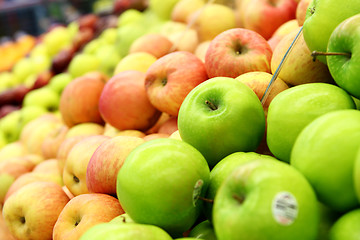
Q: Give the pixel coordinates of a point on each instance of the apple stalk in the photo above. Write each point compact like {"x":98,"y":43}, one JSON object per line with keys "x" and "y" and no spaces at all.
{"x":314,"y":54}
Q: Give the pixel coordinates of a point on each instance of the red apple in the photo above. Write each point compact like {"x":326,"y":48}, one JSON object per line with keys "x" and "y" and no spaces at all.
{"x":33,"y":210}
{"x":156,"y":44}
{"x":106,"y":161}
{"x":124,"y":103}
{"x":237,"y":51}
{"x":79,"y":101}
{"x":265,"y":16}
{"x":169,"y":126}
{"x":74,"y":173}
{"x":84,"y":211}
{"x":53,"y":140}
{"x":171,"y":78}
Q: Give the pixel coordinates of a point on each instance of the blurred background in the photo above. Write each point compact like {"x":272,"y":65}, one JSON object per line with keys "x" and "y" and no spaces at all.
{"x":36,"y":16}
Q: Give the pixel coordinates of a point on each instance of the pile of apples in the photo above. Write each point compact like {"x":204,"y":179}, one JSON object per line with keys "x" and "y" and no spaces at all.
{"x":194,"y":120}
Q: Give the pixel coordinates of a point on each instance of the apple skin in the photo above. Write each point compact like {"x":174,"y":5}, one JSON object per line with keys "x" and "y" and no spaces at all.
{"x":346,"y":227}
{"x":344,"y":69}
{"x":184,"y":8}
{"x":301,"y":10}
{"x":203,"y":230}
{"x":85,"y":129}
{"x":150,"y":198}
{"x":32,"y":211}
{"x":246,"y":203}
{"x":299,"y":67}
{"x":125,"y":104}
{"x":31,"y":177}
{"x":237,"y":51}
{"x":74,"y":173}
{"x":332,"y":141}
{"x":171,"y":78}
{"x":65,"y":148}
{"x":206,"y":20}
{"x":14,"y":149}
{"x":106,"y":161}
{"x":154,"y":43}
{"x":139,"y":61}
{"x":259,"y":81}
{"x":237,"y":124}
{"x":84,"y":211}
{"x":265,"y":17}
{"x":53,"y":140}
{"x":223,"y":169}
{"x":291,"y":110}
{"x":282,"y":31}
{"x":80,"y":99}
{"x":322,"y":17}
{"x":36,"y":131}
{"x":125,"y":231}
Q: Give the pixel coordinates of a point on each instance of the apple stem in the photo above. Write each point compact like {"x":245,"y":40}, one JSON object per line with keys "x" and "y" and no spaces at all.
{"x":206,"y":199}
{"x":211,"y":105}
{"x":240,"y":199}
{"x":314,"y":54}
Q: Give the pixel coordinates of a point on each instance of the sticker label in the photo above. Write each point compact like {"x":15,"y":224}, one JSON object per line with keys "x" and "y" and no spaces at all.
{"x":197,"y":190}
{"x":284,"y":208}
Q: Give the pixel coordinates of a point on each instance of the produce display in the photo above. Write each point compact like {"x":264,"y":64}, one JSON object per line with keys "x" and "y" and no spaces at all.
{"x":184,"y":119}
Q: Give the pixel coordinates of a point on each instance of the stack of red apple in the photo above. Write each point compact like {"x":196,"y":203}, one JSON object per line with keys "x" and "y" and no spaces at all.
{"x":178,"y":143}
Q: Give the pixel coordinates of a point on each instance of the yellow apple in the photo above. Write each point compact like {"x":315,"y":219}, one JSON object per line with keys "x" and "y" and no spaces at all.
{"x":299,"y":67}
{"x":184,"y":8}
{"x":206,"y":21}
{"x":139,"y":61}
{"x":85,"y":129}
{"x":282,"y":31}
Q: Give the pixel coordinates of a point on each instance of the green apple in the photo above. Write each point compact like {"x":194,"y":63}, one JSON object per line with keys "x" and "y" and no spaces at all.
{"x":126,"y":35}
{"x":44,"y":97}
{"x":347,"y":226}
{"x":163,"y":9}
{"x":203,"y":230}
{"x":357,"y":175}
{"x":321,"y":19}
{"x":291,"y":110}
{"x":223,"y":169}
{"x":108,"y":57}
{"x":40,"y":63}
{"x":114,"y":231}
{"x":8,"y":80}
{"x":221,"y":116}
{"x":345,"y":68}
{"x":160,"y":183}
{"x":327,"y":220}
{"x":59,"y":82}
{"x":10,"y":126}
{"x":109,"y":35}
{"x":123,"y":218}
{"x":23,"y":68}
{"x":357,"y":103}
{"x":330,"y":142}
{"x":3,"y":140}
{"x":83,"y":63}
{"x":128,"y":17}
{"x":266,"y":199}
{"x":57,"y":39}
{"x":93,"y":45}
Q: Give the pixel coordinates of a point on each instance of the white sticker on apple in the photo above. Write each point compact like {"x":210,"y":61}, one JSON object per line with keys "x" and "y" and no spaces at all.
{"x":284,"y":208}
{"x":197,"y":190}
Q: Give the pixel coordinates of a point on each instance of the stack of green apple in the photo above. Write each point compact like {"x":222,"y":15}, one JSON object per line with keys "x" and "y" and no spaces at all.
{"x":180,"y":145}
